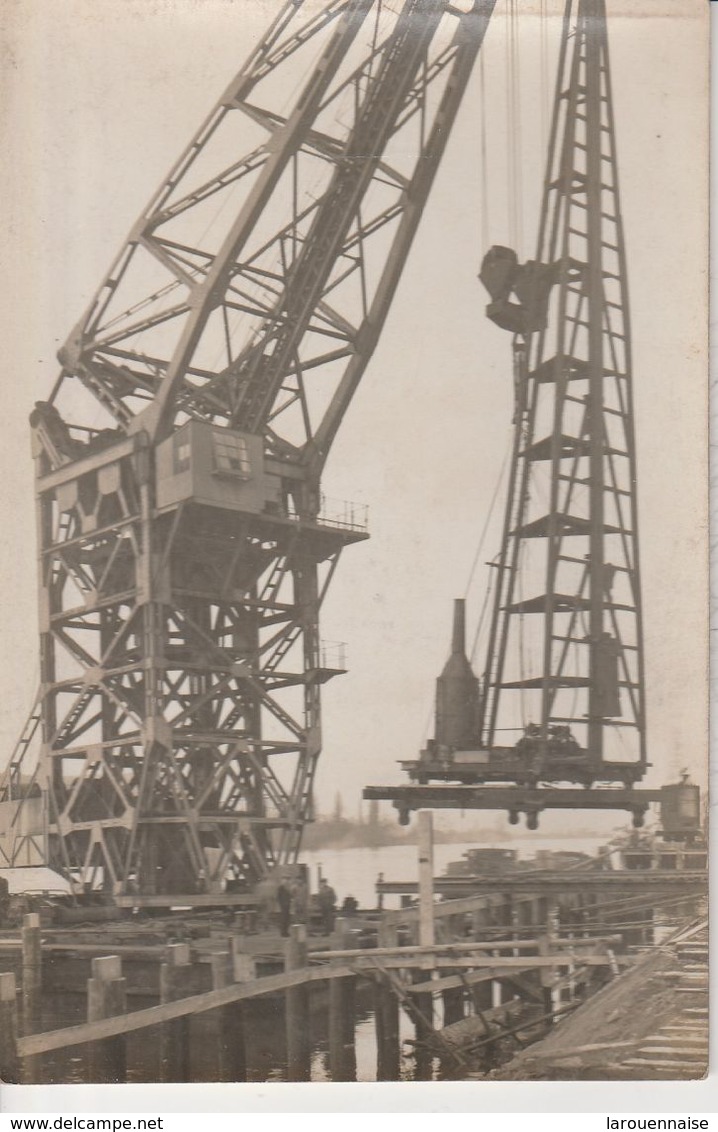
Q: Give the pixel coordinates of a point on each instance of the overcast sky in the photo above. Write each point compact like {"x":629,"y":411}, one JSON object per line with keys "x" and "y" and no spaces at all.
{"x":99,"y":98}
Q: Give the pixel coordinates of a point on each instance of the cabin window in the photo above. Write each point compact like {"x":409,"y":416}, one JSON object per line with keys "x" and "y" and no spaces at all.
{"x":183,"y":452}
{"x":231,"y":457}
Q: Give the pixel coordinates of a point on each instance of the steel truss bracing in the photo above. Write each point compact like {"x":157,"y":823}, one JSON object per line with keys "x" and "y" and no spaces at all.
{"x":184,"y":545}
{"x":565,"y":649}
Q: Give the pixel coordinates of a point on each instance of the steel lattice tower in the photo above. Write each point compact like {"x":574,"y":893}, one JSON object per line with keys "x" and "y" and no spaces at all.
{"x":568,"y":571}
{"x":184,"y":545}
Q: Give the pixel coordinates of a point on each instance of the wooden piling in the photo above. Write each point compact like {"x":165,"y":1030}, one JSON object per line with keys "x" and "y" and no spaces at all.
{"x":423,"y":1027}
{"x":342,"y":1009}
{"x":546,"y":978}
{"x":386,"y":1017}
{"x":31,"y":971}
{"x":174,"y":1036}
{"x":506,"y":992}
{"x":296,"y":999}
{"x":506,"y":911}
{"x":9,"y":1061}
{"x":107,"y":997}
{"x":226,"y":1030}
{"x":547,"y":946}
{"x":342,"y":936}
{"x":453,"y":1005}
{"x":425,"y":833}
{"x":244,"y":970}
{"x":342,"y":1012}
{"x":482,"y":995}
{"x":244,"y":966}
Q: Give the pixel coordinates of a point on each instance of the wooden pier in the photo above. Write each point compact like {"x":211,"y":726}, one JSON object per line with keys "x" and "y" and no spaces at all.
{"x":471,"y":977}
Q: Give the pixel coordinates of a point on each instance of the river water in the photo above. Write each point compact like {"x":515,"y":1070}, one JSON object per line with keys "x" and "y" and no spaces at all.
{"x":353,"y":872}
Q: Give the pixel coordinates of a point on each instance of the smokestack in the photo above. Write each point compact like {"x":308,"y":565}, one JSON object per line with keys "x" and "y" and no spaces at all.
{"x":458,"y":637}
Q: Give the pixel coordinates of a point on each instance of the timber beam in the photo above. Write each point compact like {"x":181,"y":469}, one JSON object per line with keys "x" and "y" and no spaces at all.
{"x":536,"y":882}
{"x":514,"y":799}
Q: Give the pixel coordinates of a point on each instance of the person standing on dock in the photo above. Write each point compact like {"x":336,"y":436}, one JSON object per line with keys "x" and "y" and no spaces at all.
{"x":327,"y":899}
{"x":300,"y":901}
{"x":284,"y":902}
{"x":4,"y":903}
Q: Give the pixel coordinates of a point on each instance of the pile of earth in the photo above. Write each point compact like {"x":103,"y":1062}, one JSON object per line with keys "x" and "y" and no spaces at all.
{"x":591,"y":1043}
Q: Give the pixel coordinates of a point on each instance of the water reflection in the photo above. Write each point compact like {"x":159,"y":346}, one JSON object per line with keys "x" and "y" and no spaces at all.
{"x":265,"y":1044}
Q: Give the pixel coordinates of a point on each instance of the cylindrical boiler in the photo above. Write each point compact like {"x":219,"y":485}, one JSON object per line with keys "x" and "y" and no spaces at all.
{"x":457,"y":693}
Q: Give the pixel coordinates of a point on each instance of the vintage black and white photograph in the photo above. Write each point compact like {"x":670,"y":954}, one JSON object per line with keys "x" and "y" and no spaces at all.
{"x":354,"y":570}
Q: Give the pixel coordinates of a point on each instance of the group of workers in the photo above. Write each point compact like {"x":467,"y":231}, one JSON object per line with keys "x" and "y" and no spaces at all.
{"x":294,"y":905}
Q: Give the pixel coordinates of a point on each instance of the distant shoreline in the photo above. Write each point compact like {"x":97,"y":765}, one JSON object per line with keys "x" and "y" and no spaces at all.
{"x":342,"y":833}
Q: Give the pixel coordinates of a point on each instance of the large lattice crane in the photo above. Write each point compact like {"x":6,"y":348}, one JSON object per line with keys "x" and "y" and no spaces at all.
{"x":562,"y":690}
{"x":185,"y":548}
{"x":572,"y":504}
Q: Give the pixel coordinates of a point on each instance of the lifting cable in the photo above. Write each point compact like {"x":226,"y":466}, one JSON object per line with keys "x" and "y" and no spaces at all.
{"x":543,"y":73}
{"x":484,"y":607}
{"x":514,"y":127}
{"x":479,"y":549}
{"x":490,"y":512}
{"x":484,"y":202}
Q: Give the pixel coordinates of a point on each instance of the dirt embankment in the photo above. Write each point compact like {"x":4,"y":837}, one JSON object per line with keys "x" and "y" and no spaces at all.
{"x":613,"y":1022}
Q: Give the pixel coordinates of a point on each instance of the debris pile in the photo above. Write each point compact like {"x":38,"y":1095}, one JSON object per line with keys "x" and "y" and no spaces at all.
{"x":651,"y":1022}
